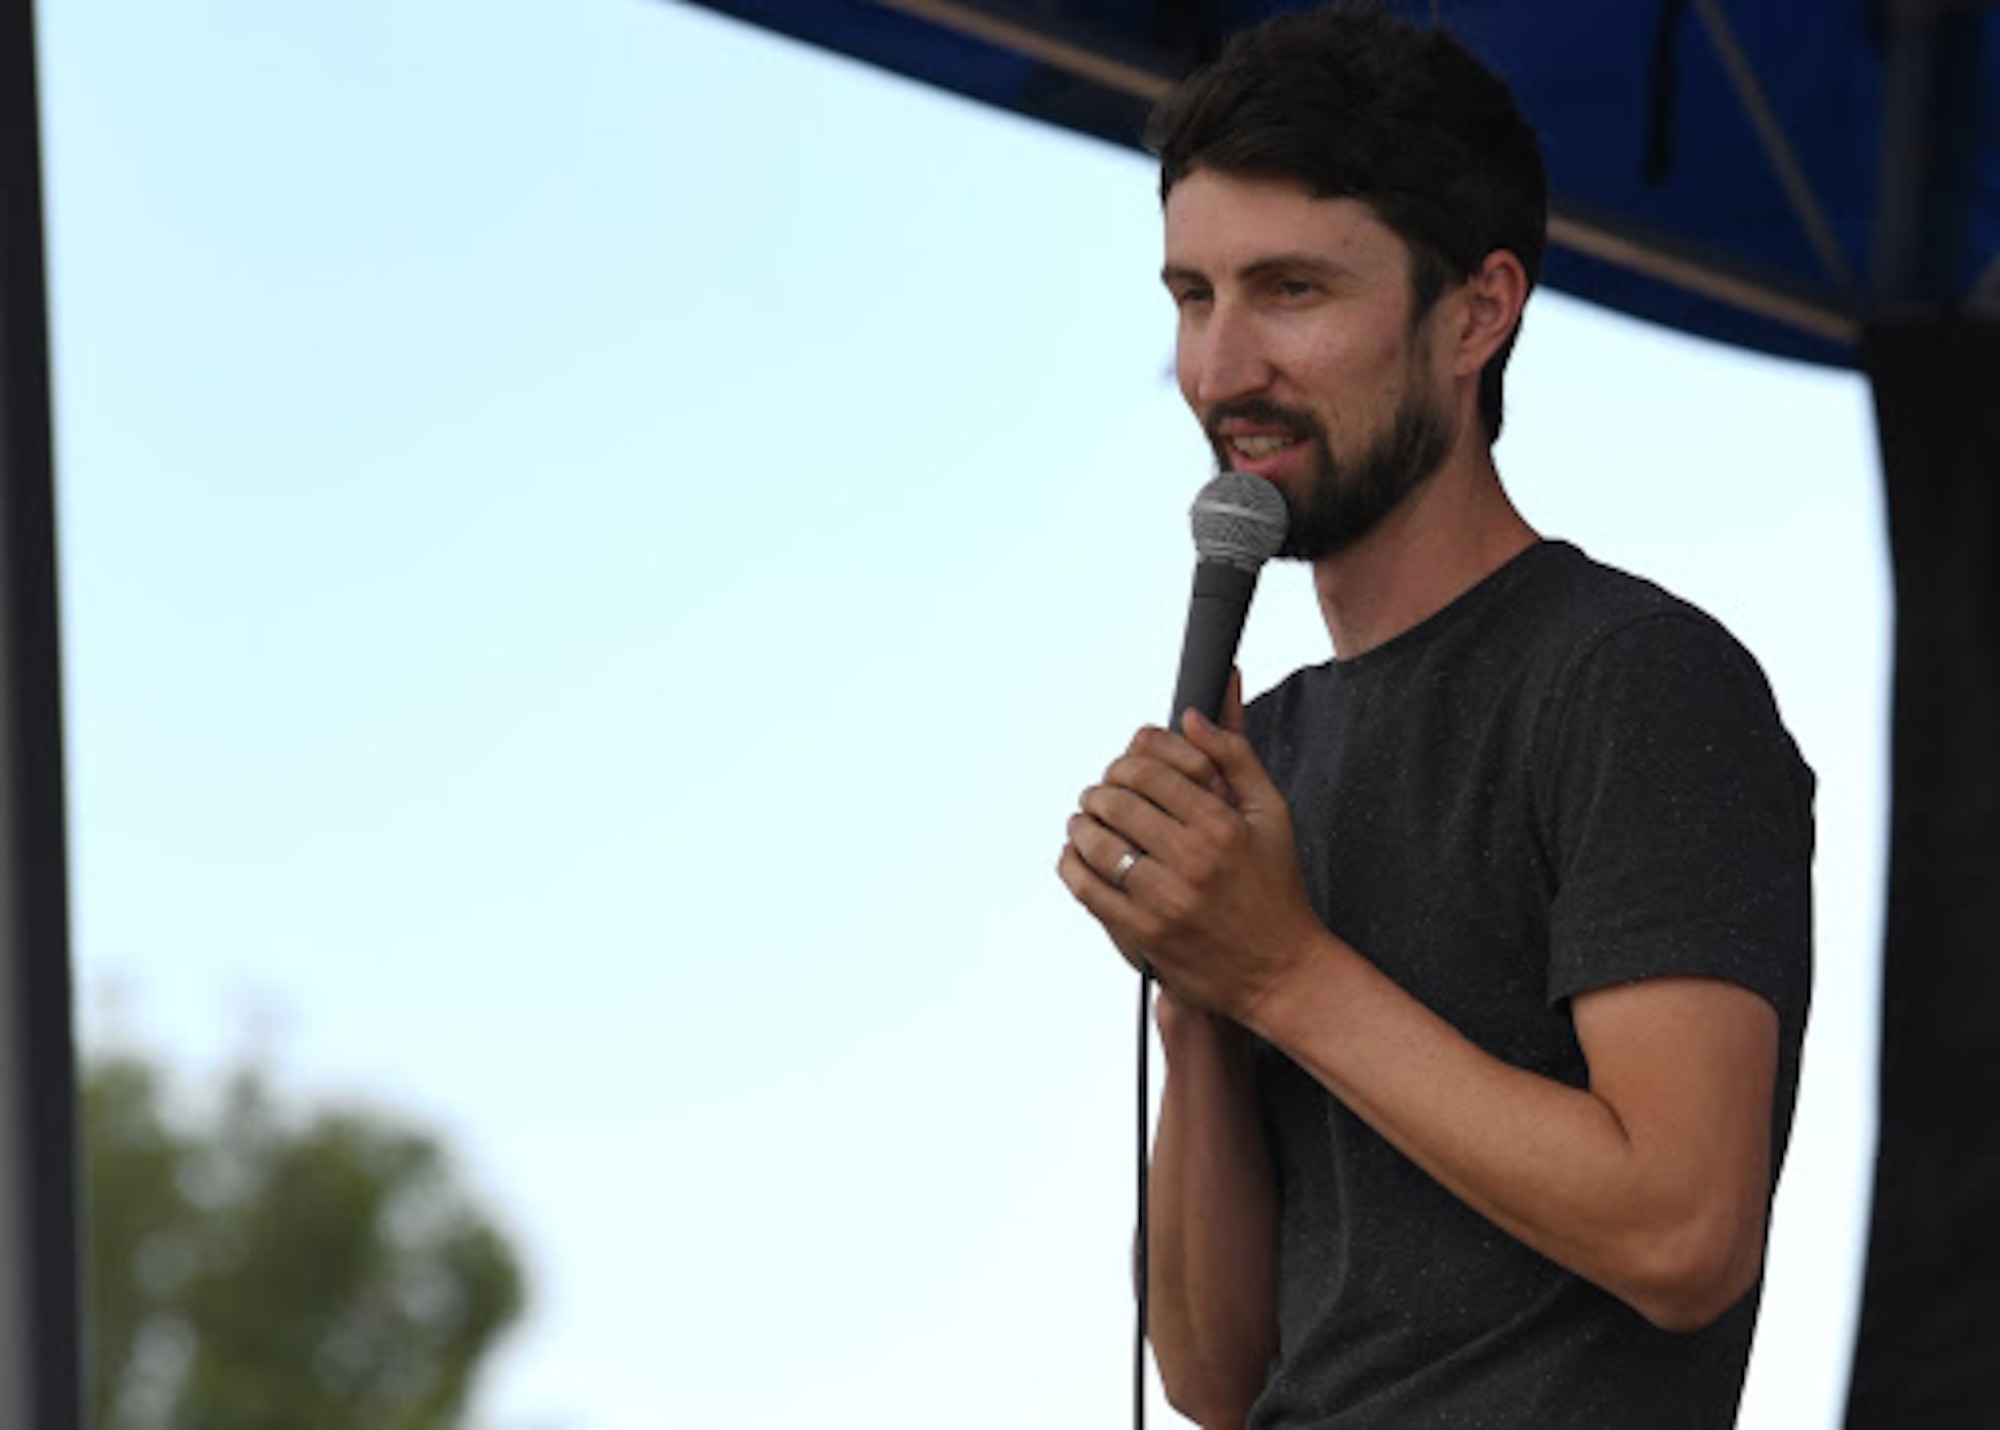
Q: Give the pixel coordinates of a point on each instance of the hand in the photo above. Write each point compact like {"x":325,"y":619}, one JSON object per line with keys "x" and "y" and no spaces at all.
{"x":1215,"y":904}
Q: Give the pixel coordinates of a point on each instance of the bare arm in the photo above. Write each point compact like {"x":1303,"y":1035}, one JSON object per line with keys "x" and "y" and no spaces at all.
{"x":1212,"y":1298}
{"x":1651,"y":1182}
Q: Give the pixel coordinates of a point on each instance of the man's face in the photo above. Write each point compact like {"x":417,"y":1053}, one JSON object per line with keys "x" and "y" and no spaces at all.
{"x":1298,"y":353}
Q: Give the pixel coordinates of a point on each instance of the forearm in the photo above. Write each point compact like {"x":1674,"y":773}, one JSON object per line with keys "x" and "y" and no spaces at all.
{"x":1212,"y":1248}
{"x":1653,"y":1181}
{"x":1663,"y":1211}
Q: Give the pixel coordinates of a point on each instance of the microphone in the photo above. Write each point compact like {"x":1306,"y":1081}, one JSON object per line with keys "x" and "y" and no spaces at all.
{"x":1239,"y":523}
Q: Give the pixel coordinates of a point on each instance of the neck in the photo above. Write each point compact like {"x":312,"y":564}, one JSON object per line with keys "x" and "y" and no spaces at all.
{"x":1453,"y":532}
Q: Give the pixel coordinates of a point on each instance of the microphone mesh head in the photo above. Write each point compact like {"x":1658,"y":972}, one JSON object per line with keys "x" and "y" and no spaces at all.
{"x":1239,"y":519}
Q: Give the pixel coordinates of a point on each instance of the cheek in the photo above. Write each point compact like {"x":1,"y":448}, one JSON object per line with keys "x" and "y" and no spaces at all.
{"x":1356,"y":381}
{"x":1364,"y":350}
{"x":1358,"y":366}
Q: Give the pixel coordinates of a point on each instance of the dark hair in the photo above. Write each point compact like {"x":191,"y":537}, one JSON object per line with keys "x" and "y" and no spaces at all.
{"x":1353,"y":103}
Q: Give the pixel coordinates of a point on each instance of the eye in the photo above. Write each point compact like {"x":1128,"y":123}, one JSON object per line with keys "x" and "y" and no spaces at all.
{"x":1190,"y":295}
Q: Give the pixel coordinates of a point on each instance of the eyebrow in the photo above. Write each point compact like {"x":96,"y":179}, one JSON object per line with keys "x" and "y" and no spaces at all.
{"x":1313,"y":263}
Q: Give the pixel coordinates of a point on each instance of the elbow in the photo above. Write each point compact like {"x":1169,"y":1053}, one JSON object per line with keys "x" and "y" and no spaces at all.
{"x":1213,"y":1406}
{"x":1215,"y":1394}
{"x":1686,"y":1279}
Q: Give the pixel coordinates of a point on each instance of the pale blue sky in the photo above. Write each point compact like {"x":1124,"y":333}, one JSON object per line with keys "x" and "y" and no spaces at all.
{"x":599,"y":548}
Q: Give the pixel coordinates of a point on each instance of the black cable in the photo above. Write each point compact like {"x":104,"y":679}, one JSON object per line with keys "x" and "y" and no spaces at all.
{"x":1139,"y":1251}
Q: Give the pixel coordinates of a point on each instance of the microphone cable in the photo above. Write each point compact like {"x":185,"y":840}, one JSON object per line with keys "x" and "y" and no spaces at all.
{"x":1140,"y":1250}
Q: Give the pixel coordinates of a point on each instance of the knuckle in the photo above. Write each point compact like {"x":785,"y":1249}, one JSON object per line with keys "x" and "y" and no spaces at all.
{"x":1176,"y":904}
{"x":1222,"y":833}
{"x":1126,"y":771}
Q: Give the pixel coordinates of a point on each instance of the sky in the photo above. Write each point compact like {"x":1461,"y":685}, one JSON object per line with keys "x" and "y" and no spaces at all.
{"x":599,"y":547}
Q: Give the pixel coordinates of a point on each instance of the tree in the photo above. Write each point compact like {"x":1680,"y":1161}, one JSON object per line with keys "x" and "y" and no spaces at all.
{"x":253,"y":1270}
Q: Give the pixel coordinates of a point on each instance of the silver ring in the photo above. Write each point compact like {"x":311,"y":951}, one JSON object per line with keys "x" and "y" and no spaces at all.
{"x":1123,"y":867}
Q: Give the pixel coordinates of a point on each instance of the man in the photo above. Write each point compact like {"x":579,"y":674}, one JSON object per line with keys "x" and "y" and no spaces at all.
{"x":1484,"y":948}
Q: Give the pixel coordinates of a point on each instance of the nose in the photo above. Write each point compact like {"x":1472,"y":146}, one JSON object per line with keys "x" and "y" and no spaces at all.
{"x":1222,"y":358}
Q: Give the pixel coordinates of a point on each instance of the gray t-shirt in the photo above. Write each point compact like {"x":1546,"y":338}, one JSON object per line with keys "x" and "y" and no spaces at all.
{"x":1567,"y":779}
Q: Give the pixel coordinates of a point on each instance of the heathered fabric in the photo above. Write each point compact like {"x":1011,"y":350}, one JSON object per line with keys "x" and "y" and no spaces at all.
{"x":1567,"y":779}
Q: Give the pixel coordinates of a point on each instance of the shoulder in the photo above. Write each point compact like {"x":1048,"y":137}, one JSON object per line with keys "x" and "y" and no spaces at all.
{"x":1570,"y":606}
{"x":1563,"y":653}
{"x":1620,"y":652}
{"x":1603,"y":651}
{"x":1674,"y":805}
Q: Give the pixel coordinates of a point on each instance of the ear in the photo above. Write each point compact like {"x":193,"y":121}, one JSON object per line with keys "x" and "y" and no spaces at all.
{"x":1489,"y":310}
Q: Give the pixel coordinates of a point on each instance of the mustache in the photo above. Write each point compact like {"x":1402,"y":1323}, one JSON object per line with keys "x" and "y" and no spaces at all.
{"x":1263,"y":413}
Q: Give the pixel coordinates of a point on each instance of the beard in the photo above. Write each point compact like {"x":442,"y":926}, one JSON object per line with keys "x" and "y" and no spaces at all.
{"x":1345,"y":499}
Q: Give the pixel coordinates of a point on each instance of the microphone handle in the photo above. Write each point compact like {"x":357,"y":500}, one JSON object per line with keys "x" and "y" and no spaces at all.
{"x":1216,"y":612}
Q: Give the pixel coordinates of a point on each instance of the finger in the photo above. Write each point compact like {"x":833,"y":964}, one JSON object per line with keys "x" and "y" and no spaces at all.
{"x":1191,"y":792}
{"x":1084,"y":885}
{"x":1239,"y":764}
{"x":1104,"y":850}
{"x":1104,"y":903}
{"x":1153,"y":743}
{"x":1084,"y":882}
{"x":1125,"y":820}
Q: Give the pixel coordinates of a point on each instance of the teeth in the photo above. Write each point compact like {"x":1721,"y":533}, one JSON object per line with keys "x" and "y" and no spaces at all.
{"x":1260,"y":447}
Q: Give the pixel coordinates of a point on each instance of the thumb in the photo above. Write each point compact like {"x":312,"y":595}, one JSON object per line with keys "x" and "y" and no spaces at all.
{"x":1233,"y":756}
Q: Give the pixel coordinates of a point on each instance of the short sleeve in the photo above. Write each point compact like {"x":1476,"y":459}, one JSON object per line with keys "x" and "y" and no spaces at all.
{"x":1679,"y":818}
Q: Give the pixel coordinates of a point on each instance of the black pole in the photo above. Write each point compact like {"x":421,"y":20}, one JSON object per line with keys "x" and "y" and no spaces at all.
{"x":40,"y":1302}
{"x":1926,"y":1352}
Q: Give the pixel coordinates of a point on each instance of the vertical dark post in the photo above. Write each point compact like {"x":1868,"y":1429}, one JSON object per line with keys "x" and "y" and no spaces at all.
{"x":1926,"y":1351}
{"x":40,"y":1320}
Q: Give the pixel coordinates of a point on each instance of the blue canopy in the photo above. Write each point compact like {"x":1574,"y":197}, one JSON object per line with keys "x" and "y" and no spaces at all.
{"x":1768,"y":174}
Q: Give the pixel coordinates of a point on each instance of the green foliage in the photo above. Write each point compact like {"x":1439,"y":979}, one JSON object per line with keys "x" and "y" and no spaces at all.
{"x":250,"y":1271}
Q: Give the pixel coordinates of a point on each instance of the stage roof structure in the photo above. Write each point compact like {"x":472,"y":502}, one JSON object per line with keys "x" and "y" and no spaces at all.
{"x":1762,"y":173}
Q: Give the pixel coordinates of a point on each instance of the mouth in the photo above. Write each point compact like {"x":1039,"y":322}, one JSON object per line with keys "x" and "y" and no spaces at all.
{"x":1262,"y":452}
{"x":1261,"y":447}
{"x":1258,"y":437}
